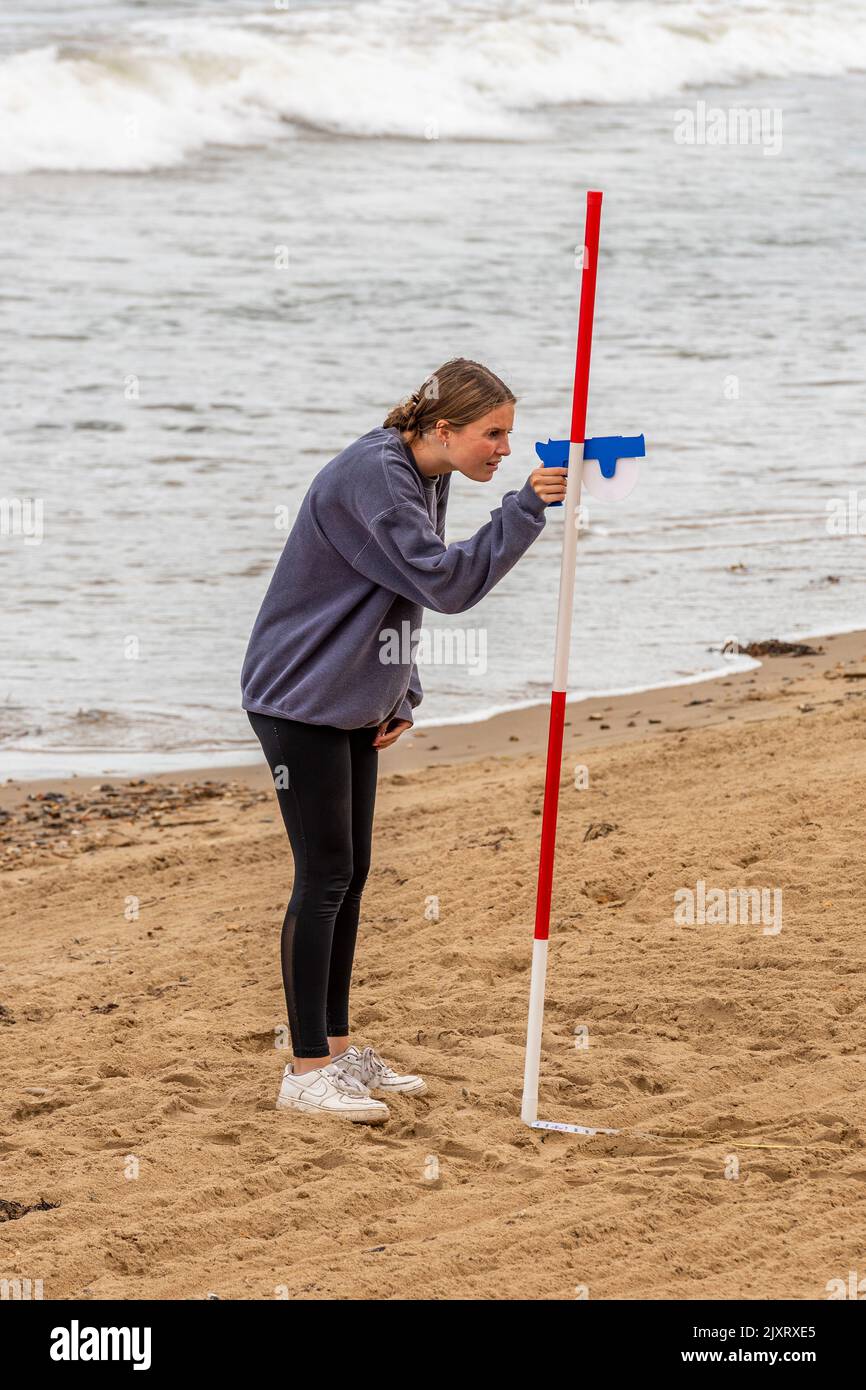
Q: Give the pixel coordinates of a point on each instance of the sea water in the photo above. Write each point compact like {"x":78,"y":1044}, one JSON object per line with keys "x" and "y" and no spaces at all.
{"x":235,"y":235}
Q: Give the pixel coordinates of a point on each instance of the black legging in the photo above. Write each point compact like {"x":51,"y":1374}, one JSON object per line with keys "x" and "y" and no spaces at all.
{"x":325,"y":780}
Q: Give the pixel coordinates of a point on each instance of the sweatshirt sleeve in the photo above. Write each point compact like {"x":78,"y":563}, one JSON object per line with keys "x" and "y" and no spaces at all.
{"x":403,"y":552}
{"x":414,"y":696}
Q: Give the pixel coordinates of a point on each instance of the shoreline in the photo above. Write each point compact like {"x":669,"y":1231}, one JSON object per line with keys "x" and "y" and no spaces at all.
{"x":592,"y":721}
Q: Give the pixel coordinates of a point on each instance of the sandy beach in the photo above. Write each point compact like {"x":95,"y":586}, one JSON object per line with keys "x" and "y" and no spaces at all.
{"x":141,"y":1017}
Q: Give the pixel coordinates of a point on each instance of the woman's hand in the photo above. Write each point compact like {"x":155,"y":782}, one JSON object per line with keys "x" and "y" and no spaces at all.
{"x":398,"y":727}
{"x":549,"y":483}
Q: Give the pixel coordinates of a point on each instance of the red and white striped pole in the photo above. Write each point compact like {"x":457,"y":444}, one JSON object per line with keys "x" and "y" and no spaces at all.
{"x":529,"y":1109}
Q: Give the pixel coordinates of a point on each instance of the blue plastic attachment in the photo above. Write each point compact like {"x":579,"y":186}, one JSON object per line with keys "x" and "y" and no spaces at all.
{"x":554,"y":454}
{"x":605,"y":448}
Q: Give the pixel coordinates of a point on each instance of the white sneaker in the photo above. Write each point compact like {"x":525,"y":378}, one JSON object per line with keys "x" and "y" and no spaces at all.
{"x":331,"y":1090}
{"x":375,"y":1075}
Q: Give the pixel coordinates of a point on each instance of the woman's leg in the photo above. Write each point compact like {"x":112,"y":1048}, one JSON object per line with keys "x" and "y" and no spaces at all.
{"x":312,"y":769}
{"x":365,"y":770}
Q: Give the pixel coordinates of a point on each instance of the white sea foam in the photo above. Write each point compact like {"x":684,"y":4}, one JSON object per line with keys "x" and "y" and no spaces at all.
{"x":155,"y":92}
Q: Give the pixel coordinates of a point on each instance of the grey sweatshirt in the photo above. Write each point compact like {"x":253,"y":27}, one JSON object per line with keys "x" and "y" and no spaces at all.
{"x":367,"y":553}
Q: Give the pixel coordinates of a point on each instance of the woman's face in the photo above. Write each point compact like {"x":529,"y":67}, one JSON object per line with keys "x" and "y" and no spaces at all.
{"x":477,"y":449}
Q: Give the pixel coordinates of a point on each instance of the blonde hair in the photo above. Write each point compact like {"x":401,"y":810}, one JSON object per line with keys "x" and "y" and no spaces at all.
{"x":460,"y":391}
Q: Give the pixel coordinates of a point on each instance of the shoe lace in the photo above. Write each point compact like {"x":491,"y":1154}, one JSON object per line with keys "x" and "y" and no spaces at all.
{"x":371,"y":1066}
{"x":343,"y":1079}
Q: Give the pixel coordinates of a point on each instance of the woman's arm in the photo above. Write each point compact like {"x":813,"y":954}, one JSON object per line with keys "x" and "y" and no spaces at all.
{"x":403,"y":552}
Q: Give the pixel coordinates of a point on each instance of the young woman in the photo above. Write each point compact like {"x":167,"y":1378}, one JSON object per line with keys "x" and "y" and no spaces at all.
{"x":365,"y":556}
